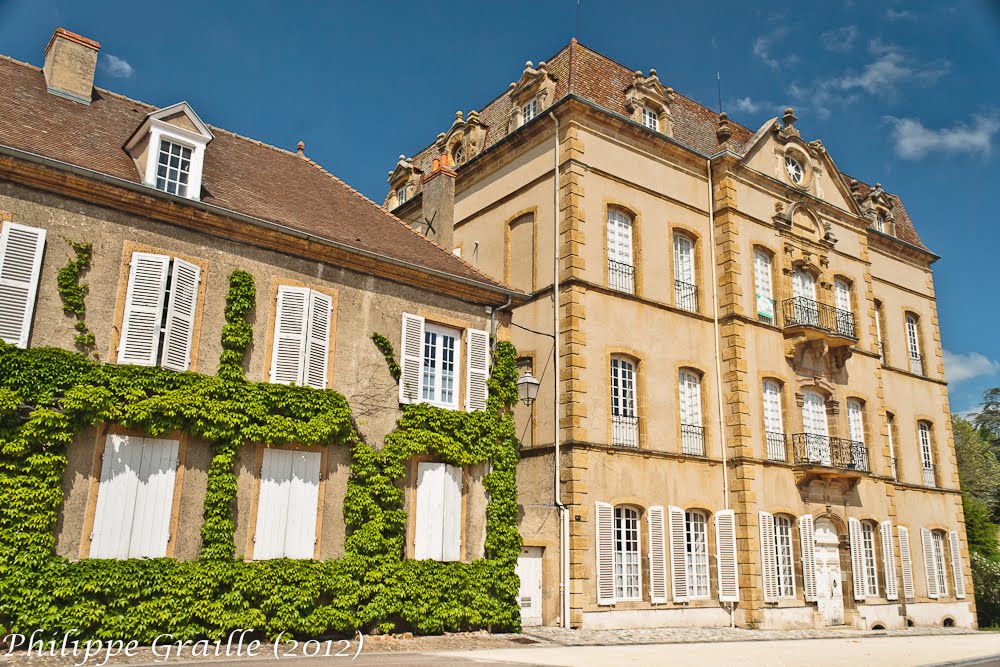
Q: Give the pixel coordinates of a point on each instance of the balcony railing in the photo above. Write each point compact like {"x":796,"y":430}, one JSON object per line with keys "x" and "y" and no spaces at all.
{"x":686,"y":295}
{"x":916,"y":363}
{"x":692,"y":440}
{"x":621,"y":276}
{"x":810,"y":449}
{"x":800,"y":311}
{"x":625,"y":431}
{"x":776,"y":450}
{"x":929,"y":477}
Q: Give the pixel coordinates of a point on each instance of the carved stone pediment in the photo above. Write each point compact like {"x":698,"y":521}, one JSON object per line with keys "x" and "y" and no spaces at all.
{"x":535,"y":83}
{"x":647,"y":91}
{"x":405,"y":177}
{"x":463,"y":140}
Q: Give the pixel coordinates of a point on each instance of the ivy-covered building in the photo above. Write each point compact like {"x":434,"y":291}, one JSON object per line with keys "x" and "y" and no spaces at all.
{"x":200,"y":423}
{"x":752,"y":414}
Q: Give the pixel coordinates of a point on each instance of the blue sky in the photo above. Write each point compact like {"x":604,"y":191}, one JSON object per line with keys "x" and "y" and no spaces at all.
{"x":901,"y":93}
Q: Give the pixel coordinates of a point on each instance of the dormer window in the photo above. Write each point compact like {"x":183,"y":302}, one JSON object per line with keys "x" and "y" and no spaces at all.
{"x":650,"y":119}
{"x":794,"y":169}
{"x":168,"y":150}
{"x":880,"y":222}
{"x":401,"y":195}
{"x":529,"y":110}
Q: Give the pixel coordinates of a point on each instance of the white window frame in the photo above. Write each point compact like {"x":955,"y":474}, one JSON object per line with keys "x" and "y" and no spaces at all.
{"x":868,"y":531}
{"x":856,"y":420}
{"x":620,"y":250}
{"x":689,"y":389}
{"x":437,"y":390}
{"x":890,"y":420}
{"x":878,"y":332}
{"x":913,"y":344}
{"x":940,"y":568}
{"x":628,"y":569}
{"x":696,"y":555}
{"x":650,"y":119}
{"x":529,"y":110}
{"x":16,"y":289}
{"x":623,"y":402}
{"x":926,"y":452}
{"x":764,"y":284}
{"x":684,"y":272}
{"x":785,"y":565}
{"x":400,"y":195}
{"x":773,"y":419}
{"x":796,"y":172}
{"x":184,"y":153}
{"x":315,"y":337}
{"x":162,"y":131}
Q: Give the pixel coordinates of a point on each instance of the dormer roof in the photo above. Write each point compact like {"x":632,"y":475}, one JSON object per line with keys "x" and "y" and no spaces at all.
{"x":174,"y":115}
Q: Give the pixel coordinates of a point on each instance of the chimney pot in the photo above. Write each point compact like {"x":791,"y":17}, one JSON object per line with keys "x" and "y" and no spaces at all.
{"x":70,"y":63}
{"x":300,"y":148}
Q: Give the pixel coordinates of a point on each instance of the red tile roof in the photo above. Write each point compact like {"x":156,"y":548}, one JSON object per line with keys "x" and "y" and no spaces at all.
{"x":240,"y":174}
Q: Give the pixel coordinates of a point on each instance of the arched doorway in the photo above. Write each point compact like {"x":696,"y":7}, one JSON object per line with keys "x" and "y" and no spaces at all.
{"x":829,"y":585}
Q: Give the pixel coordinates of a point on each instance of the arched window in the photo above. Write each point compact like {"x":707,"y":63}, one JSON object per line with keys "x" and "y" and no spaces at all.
{"x":774,"y":429}
{"x":626,"y":535}
{"x":624,"y":418}
{"x":845,"y":314}
{"x":926,"y":452}
{"x":692,"y":431}
{"x":804,"y":309}
{"x":696,"y":553}
{"x":878,"y":331}
{"x":890,"y":430}
{"x":762,"y":277}
{"x":621,"y":272}
{"x":814,"y":446}
{"x":856,"y":424}
{"x":934,"y":563}
{"x":913,"y":344}
{"x":868,"y":530}
{"x":783,"y":555}
{"x":685,"y":289}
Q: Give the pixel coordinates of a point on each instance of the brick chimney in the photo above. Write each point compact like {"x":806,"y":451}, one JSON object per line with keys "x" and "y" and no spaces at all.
{"x":70,"y":62}
{"x":438,"y":202}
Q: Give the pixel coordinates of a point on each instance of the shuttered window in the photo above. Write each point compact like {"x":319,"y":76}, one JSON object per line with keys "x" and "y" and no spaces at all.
{"x":287,"y":505}
{"x":807,"y":544}
{"x":696,"y":551}
{"x":21,"y":251}
{"x":868,"y":554}
{"x":438,"y":529}
{"x":937,"y":540}
{"x":861,"y":569}
{"x":605,"y":541}
{"x":888,"y":561}
{"x":626,"y":544}
{"x":783,"y":556}
{"x":160,"y":307}
{"x":657,"y":555}
{"x":762,"y":282}
{"x":135,"y":498}
{"x":479,"y":369}
{"x":430,"y":364}
{"x":931,"y":571}
{"x":957,"y":568}
{"x":678,"y":555}
{"x":769,"y":566}
{"x":300,"y":351}
{"x":906,"y":563}
{"x":725,"y":556}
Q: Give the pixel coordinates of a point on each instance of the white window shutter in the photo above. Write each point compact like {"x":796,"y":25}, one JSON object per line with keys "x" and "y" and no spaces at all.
{"x":147,"y":285}
{"x":288,"y":346}
{"x":116,"y":497}
{"x":272,"y":504}
{"x":678,"y":555}
{"x":478,"y":364}
{"x":930,"y":571}
{"x":411,"y":358}
{"x":657,"y":555}
{"x":768,"y":557}
{"x":807,"y":542}
{"x":956,"y":564}
{"x":906,"y":563}
{"x":154,"y":498}
{"x":857,"y":559}
{"x":725,"y":556}
{"x":303,"y":504}
{"x":451,"y":514}
{"x":889,"y":561}
{"x":317,"y":354}
{"x":605,"y":542}
{"x":21,"y":250}
{"x":428,"y":537}
{"x":180,"y":316}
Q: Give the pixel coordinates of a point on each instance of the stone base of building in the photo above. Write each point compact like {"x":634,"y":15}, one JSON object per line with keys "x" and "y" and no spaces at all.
{"x":626,"y":619}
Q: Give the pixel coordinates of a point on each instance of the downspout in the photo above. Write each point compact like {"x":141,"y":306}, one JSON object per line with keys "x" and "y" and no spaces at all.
{"x":493,"y":321}
{"x":731,"y":606}
{"x":563,"y":510}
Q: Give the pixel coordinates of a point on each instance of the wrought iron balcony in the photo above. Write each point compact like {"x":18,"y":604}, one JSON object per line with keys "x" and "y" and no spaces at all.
{"x":692,"y":440}
{"x":916,"y":363}
{"x":821,"y":450}
{"x":686,"y":295}
{"x":621,"y":276}
{"x":929,"y":478}
{"x":802,"y":312}
{"x":625,"y":431}
{"x":776,"y":449}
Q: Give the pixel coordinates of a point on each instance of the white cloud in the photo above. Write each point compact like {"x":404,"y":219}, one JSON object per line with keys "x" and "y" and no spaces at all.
{"x":840,"y":39}
{"x":890,"y":68}
{"x":763,"y":45}
{"x":116,"y":67}
{"x":893,"y":15}
{"x":964,"y":366}
{"x":913,"y":140}
{"x":747,"y":105}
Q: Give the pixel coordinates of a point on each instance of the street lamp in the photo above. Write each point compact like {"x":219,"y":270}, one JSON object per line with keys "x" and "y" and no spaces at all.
{"x":527,"y":387}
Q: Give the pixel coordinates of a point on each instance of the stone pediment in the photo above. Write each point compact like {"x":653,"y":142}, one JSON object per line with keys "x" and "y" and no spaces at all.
{"x":647,"y":91}
{"x":463,"y":140}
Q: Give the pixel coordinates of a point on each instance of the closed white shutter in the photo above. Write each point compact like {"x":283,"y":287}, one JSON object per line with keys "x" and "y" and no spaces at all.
{"x":317,"y":351}
{"x":272,"y":504}
{"x":479,"y":369}
{"x":428,"y":538}
{"x":956,"y":564}
{"x":303,"y":503}
{"x":451,"y":514}
{"x":768,"y":559}
{"x":147,"y":284}
{"x":725,"y":555}
{"x":807,"y":542}
{"x":154,"y":498}
{"x":857,"y":559}
{"x":21,"y":250}
{"x":605,"y":543}
{"x":906,"y":563}
{"x":678,"y":555}
{"x":657,"y":555}
{"x":930,"y":569}
{"x":290,"y":324}
{"x":116,"y":497}
{"x":180,"y":316}
{"x":411,"y":358}
{"x":888,"y":561}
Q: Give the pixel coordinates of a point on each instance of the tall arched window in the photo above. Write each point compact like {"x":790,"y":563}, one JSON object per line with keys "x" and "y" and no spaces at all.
{"x":913,"y":344}
{"x":783,"y":556}
{"x":621,"y":272}
{"x":878,"y":331}
{"x":692,"y":431}
{"x":804,"y":310}
{"x":624,"y":418}
{"x":926,"y":452}
{"x":890,"y":430}
{"x":815,"y":443}
{"x":856,"y":423}
{"x":868,"y":530}
{"x":627,"y":577}
{"x":685,"y":289}
{"x":774,"y":429}
{"x":844,"y":312}
{"x":696,"y":553}
{"x":764,"y":285}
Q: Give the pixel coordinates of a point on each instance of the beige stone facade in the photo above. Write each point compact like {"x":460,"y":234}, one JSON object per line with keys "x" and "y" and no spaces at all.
{"x":755,"y":266}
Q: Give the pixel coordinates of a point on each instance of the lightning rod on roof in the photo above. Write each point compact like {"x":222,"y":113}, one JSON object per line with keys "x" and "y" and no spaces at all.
{"x":718,"y":80}
{"x":577,"y":33}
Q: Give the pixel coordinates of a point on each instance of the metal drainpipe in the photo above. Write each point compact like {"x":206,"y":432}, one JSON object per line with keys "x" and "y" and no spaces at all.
{"x":563,"y":510}
{"x":718,"y":358}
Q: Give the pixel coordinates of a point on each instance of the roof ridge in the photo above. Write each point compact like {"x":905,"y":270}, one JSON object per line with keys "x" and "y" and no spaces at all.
{"x":20,"y":62}
{"x":393,"y":217}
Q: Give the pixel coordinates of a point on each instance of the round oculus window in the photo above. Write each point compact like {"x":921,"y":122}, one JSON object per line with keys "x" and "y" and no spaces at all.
{"x":458,"y":155}
{"x":794,"y":169}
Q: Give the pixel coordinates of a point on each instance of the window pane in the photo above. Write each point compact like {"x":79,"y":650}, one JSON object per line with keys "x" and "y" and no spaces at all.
{"x":697,"y":554}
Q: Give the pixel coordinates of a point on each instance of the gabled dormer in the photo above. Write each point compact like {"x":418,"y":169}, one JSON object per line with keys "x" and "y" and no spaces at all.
{"x":531,"y":94}
{"x":649,"y":102}
{"x":463,"y":140}
{"x":404,"y":183}
{"x":876,"y":205}
{"x":168,"y":149}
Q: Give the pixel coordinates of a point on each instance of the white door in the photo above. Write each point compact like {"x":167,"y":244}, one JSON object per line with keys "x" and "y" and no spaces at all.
{"x":529,"y":570}
{"x":829,"y":581}
{"x":815,"y":427}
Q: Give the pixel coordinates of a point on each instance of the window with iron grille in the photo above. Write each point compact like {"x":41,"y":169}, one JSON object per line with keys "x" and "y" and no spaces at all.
{"x":774,"y":429}
{"x":621,"y":273}
{"x":913,"y":344}
{"x":624,"y":420}
{"x":685,"y":290}
{"x":692,"y":431}
{"x":926,"y":452}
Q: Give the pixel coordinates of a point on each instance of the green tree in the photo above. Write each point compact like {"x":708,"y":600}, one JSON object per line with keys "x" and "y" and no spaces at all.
{"x":978,"y":467}
{"x":988,"y":419}
{"x":979,"y":530}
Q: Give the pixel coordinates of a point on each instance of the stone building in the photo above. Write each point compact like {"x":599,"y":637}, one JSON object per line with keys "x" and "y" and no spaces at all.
{"x":172,"y":206}
{"x":753,"y":421}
